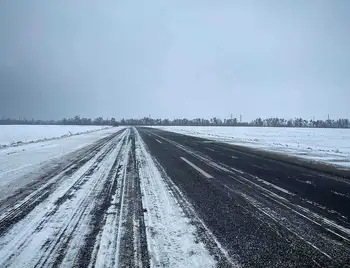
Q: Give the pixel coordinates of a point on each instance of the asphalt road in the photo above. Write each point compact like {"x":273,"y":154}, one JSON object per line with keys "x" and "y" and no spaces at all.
{"x":266,"y":213}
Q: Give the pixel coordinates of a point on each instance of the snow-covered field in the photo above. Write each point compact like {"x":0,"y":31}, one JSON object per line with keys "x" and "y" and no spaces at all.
{"x":326,"y":145}
{"x":18,"y":134}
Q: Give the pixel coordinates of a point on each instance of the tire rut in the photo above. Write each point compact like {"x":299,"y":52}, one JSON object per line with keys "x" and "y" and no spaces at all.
{"x":133,"y":243}
{"x":122,"y":229}
{"x":86,"y":254}
{"x":76,"y":202}
{"x":26,"y":199}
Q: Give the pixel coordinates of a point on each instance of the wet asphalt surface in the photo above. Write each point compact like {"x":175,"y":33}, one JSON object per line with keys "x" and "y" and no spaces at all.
{"x":264,"y":212}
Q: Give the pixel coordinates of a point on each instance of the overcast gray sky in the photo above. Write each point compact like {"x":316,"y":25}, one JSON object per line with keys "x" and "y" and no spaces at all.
{"x":177,"y":58}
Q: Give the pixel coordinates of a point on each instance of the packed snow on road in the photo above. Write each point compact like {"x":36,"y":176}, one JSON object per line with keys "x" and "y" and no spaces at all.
{"x":96,"y":200}
{"x":326,"y":145}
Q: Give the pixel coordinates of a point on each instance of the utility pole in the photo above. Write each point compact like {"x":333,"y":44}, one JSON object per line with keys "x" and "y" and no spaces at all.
{"x":240,"y":118}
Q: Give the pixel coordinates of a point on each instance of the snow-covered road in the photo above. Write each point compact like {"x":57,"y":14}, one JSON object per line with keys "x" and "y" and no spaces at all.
{"x":104,"y":205}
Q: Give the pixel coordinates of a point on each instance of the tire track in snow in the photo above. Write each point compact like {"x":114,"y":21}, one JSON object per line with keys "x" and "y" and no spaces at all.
{"x":88,"y":254}
{"x":122,"y":242}
{"x":27,"y":199}
{"x":107,"y":245}
{"x":54,"y":231}
{"x":133,"y":239}
{"x":97,"y":221}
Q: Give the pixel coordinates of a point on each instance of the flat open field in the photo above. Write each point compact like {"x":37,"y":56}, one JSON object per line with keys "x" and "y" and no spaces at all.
{"x":16,"y":134}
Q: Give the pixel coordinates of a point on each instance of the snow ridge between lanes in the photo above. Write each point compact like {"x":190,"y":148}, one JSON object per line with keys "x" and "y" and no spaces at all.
{"x":170,"y":236}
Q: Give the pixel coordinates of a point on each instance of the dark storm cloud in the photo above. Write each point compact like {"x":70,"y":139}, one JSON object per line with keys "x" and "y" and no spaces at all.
{"x":174,"y":58}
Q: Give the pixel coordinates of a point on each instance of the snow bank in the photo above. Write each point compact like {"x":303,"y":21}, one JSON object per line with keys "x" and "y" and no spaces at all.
{"x":331,"y":146}
{"x":14,"y":135}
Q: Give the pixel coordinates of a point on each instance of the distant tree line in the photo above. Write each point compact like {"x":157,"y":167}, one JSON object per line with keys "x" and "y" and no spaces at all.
{"x":146,"y":121}
{"x":299,"y":122}
{"x":259,"y":122}
{"x":77,"y":120}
